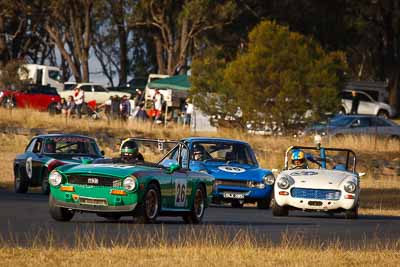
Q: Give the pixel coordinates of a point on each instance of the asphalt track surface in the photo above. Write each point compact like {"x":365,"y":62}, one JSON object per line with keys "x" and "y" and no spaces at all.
{"x":24,"y":219}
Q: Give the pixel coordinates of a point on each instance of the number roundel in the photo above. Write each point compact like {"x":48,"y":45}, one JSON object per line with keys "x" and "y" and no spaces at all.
{"x":28,"y":167}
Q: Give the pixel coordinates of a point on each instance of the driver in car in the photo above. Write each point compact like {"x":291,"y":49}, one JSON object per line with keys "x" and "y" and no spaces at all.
{"x":129,"y":153}
{"x":198,"y":152}
{"x":50,"y":146}
{"x":299,"y":160}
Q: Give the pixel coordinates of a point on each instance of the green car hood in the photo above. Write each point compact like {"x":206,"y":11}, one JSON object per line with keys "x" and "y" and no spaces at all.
{"x":116,"y":170}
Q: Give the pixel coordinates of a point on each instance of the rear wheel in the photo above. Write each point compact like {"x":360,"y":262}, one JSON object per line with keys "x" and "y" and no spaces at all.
{"x":59,"y":213}
{"x":279,"y":211}
{"x":45,"y":182}
{"x":199,"y":204}
{"x":21,"y":183}
{"x":236,"y":204}
{"x":151,"y":205}
{"x":383,"y":114}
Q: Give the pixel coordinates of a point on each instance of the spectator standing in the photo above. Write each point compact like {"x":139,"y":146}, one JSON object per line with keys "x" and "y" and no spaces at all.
{"x":189,"y":112}
{"x":107,"y":107}
{"x":125,"y":108}
{"x":79,"y":98}
{"x":355,"y":101}
{"x":115,"y":107}
{"x":141,"y":114}
{"x":157,"y":103}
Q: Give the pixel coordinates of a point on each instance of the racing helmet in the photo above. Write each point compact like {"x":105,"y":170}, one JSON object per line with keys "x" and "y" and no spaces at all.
{"x":198,"y":152}
{"x":299,"y":159}
{"x":50,"y":146}
{"x":129,"y":149}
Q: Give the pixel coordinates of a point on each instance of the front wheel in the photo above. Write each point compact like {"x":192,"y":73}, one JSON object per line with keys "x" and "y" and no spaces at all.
{"x":351,"y":214}
{"x":151,"y":205}
{"x":264,"y":203}
{"x":236,"y":204}
{"x":195,"y":216}
{"x":21,"y":183}
{"x":279,"y":211}
{"x":59,"y":213}
{"x":45,"y":182}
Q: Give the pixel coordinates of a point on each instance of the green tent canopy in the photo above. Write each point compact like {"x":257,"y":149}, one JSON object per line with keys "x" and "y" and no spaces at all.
{"x":177,"y":82}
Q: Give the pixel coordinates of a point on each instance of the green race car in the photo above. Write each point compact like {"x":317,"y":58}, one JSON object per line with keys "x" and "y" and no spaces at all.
{"x":143,"y":190}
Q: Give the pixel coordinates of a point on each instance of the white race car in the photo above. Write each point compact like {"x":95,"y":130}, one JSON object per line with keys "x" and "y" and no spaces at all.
{"x":325,"y":183}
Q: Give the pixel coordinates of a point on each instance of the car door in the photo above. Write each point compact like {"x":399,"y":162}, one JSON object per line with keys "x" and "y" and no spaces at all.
{"x":182,"y":183}
{"x":87,"y":89}
{"x":101,"y":94}
{"x":367,"y":105}
{"x":29,"y":163}
{"x":361,"y":126}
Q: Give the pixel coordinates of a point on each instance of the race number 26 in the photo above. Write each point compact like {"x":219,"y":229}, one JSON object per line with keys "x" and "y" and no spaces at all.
{"x":180,"y":192}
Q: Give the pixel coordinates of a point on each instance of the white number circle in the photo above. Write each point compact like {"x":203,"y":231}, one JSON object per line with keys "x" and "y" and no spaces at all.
{"x":28,"y":167}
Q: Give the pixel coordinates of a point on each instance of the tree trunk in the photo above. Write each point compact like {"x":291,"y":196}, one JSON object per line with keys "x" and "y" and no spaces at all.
{"x":159,"y":55}
{"x":4,"y":56}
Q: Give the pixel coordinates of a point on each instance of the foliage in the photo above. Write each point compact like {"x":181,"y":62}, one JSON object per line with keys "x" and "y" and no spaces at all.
{"x":282,"y":75}
{"x":10,"y":75}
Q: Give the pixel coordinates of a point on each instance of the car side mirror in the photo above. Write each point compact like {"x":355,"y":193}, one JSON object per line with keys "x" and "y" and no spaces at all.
{"x":361,"y":174}
{"x":355,"y":124}
{"x":102,"y":153}
{"x":173,"y":167}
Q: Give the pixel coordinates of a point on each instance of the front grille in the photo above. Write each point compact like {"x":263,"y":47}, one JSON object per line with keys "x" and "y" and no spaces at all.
{"x":326,"y":194}
{"x":232,"y":183}
{"x":94,"y":180}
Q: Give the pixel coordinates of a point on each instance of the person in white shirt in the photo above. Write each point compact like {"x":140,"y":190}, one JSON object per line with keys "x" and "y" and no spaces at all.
{"x":189,"y":112}
{"x":79,"y":99}
{"x":157,"y":102}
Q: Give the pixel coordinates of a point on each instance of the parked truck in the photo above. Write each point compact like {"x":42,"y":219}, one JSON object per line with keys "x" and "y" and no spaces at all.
{"x":42,"y":75}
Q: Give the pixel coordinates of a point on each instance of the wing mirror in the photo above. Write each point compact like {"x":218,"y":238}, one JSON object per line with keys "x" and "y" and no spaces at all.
{"x":361,"y":174}
{"x":102,"y":153}
{"x":173,"y":167}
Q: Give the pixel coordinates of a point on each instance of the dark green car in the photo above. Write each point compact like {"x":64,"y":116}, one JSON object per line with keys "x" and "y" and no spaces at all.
{"x":48,"y":151}
{"x":143,"y":190}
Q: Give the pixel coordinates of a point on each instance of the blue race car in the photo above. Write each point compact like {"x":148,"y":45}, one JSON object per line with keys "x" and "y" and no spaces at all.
{"x":238,"y":177}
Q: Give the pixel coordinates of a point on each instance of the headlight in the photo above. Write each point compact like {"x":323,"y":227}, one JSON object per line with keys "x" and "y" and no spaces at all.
{"x":129,"y":183}
{"x":55,"y":178}
{"x":284,"y":183}
{"x":269,"y":179}
{"x":350,"y":187}
{"x":1,"y":94}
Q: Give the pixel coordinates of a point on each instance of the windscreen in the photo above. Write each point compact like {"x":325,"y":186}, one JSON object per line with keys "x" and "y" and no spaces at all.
{"x":71,"y":145}
{"x":154,"y":150}
{"x":227,"y":152}
{"x":302,"y":158}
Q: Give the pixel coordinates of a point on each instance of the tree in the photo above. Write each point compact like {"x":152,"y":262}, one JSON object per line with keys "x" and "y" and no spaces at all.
{"x":175,"y":24}
{"x":279,"y":77}
{"x":69,"y":25}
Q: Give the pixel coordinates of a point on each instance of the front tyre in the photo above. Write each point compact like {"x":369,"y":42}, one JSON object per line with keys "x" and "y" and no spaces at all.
{"x":236,"y":204}
{"x":45,"y":183}
{"x":195,"y":216}
{"x":279,"y":211}
{"x":59,"y":213}
{"x":264,"y":203}
{"x":21,"y":183}
{"x":351,"y":214}
{"x":151,"y":205}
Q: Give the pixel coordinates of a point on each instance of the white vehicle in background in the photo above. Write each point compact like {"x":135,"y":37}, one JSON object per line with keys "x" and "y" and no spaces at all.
{"x":42,"y":75}
{"x":332,"y":185}
{"x":150,"y":92}
{"x":367,"y":106}
{"x":93,"y":92}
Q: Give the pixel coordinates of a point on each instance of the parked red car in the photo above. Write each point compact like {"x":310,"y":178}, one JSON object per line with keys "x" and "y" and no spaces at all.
{"x":42,"y":98}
